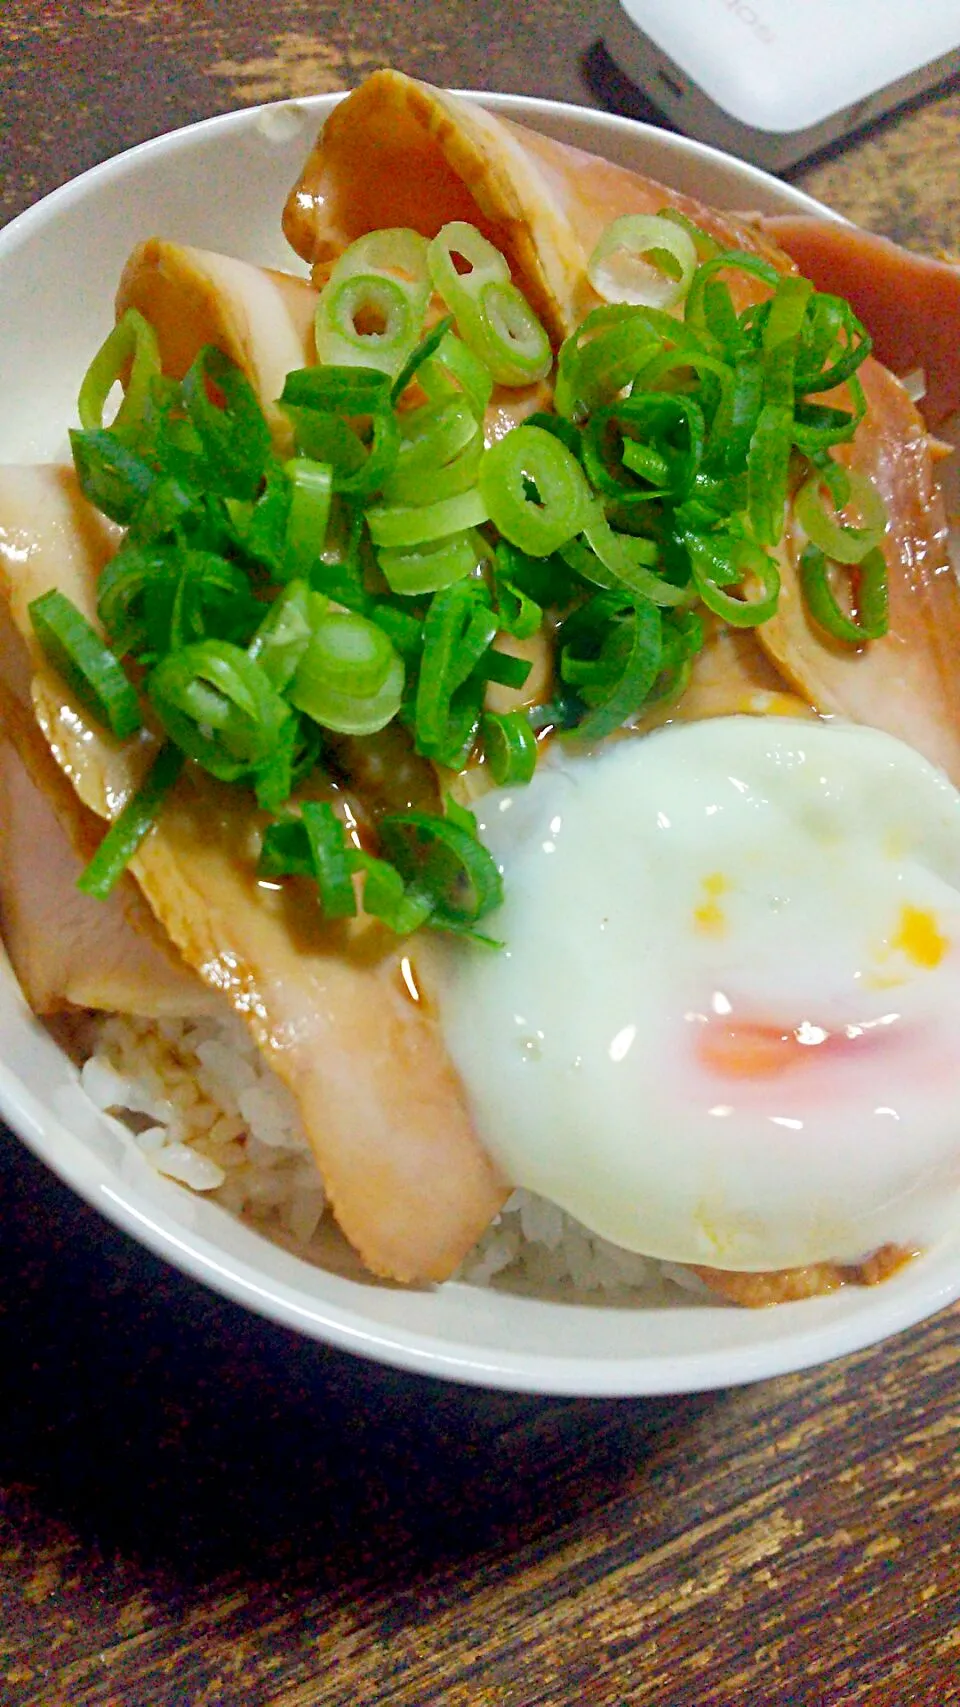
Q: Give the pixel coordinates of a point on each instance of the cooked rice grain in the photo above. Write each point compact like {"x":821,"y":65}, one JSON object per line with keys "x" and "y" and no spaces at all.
{"x":204,"y":1108}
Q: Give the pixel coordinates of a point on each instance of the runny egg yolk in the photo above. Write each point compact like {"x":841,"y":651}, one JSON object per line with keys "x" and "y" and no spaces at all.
{"x":722,"y":1028}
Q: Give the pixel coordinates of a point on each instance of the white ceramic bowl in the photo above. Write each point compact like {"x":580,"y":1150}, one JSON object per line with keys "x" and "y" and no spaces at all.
{"x":221,"y":184}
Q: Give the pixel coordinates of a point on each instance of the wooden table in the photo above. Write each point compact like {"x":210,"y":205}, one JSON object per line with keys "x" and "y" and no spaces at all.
{"x":199,"y":1508}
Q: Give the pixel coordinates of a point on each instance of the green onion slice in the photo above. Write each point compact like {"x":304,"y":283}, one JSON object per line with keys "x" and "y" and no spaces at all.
{"x":643,"y":259}
{"x":429,"y":567}
{"x":454,"y":371}
{"x":329,"y":858}
{"x":458,"y":629}
{"x":223,"y":409}
{"x":311,"y":494}
{"x":439,"y":858}
{"x":837,"y":539}
{"x":371,"y":308}
{"x":85,"y":662}
{"x":611,"y":654}
{"x":350,"y":677}
{"x":406,"y":525}
{"x":535,"y":491}
{"x":870,"y":581}
{"x":129,"y":829}
{"x":493,"y":318}
{"x":606,"y":352}
{"x":217,"y":704}
{"x":130,"y":355}
{"x":509,"y":747}
{"x":111,"y":476}
{"x":386,"y":896}
{"x":285,"y":632}
{"x":720,"y":564}
{"x":438,"y":454}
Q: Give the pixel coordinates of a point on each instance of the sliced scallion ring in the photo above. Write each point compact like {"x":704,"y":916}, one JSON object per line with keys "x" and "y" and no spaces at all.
{"x":835,"y":538}
{"x":439,"y":858}
{"x":509,"y":747}
{"x":350,"y":676}
{"x":404,"y":526}
{"x":643,"y":259}
{"x":426,"y":568}
{"x":218,"y":706}
{"x":130,"y":355}
{"x":330,"y":859}
{"x":132,"y":825}
{"x":534,"y":490}
{"x":85,"y":662}
{"x":872,"y":620}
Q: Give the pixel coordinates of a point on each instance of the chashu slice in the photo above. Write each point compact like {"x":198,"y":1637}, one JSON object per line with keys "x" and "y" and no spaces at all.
{"x":262,"y":320}
{"x":911,"y":303}
{"x":67,"y":950}
{"x":400,"y":152}
{"x":907,"y":683}
{"x":381,"y":1103}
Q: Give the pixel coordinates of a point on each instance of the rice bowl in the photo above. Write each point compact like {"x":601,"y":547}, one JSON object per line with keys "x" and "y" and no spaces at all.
{"x":462,"y":1330}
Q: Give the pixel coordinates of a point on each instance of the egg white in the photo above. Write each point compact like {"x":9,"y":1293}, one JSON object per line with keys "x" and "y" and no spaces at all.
{"x":724,"y":1025}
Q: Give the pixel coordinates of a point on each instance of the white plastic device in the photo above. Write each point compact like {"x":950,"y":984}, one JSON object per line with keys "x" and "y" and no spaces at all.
{"x":774,"y":80}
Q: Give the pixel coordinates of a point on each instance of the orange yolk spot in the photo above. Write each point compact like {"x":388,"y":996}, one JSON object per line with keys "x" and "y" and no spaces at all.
{"x":748,"y":1050}
{"x":919,"y":938}
{"x":708,"y":915}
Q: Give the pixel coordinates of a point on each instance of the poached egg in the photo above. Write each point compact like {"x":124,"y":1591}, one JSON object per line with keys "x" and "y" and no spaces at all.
{"x":723,"y":1025}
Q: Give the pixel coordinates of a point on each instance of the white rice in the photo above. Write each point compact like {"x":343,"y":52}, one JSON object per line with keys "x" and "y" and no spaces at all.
{"x":204,"y":1108}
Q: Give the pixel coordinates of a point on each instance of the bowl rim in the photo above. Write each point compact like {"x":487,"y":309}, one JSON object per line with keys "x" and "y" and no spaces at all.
{"x":893,"y":1308}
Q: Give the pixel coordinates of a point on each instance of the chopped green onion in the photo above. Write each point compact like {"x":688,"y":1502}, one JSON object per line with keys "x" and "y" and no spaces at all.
{"x":535,"y":492}
{"x":458,"y":629}
{"x":111,"y":476}
{"x":454,"y":371}
{"x":130,"y":350}
{"x":311,"y":494}
{"x":285,"y":632}
{"x":426,"y":568}
{"x":324,"y":404}
{"x":329,"y":858}
{"x":337,"y":390}
{"x":403,"y":526}
{"x":217,"y":704}
{"x":643,"y":259}
{"x":870,"y":580}
{"x":719,"y":564}
{"x":517,"y":613}
{"x":484,"y":263}
{"x":438,"y":455}
{"x":838,"y":540}
{"x":729,"y":260}
{"x":509,"y":747}
{"x":285,"y":850}
{"x":439,"y":858}
{"x":706,"y":246}
{"x":628,"y":561}
{"x":494,"y":320}
{"x":234,"y":434}
{"x":386,"y":896}
{"x":131,"y":826}
{"x":611,"y":654}
{"x":608,"y":349}
{"x":371,"y":308}
{"x":86,"y":664}
{"x":427,"y":347}
{"x":350,"y":677}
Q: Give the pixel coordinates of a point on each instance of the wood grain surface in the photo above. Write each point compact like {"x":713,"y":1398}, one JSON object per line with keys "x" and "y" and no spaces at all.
{"x":197,"y":1508}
